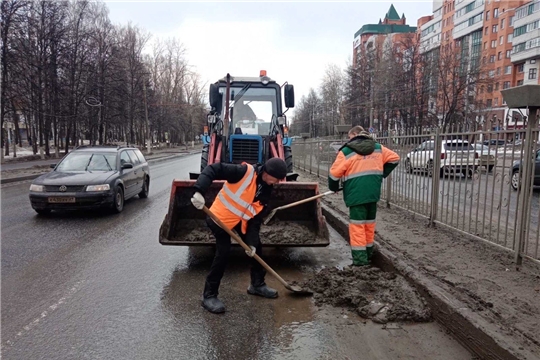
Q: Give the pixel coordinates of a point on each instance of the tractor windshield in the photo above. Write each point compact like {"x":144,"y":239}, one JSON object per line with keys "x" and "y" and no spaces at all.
{"x":252,"y":110}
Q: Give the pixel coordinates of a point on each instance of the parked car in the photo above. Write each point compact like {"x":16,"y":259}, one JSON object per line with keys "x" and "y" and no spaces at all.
{"x":327,"y":151}
{"x":516,"y":167}
{"x":486,"y":157}
{"x":495,"y":142}
{"x":92,"y":177}
{"x":457,"y":156}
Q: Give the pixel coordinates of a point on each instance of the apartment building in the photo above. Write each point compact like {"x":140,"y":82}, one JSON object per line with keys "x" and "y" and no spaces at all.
{"x":525,"y":51}
{"x":392,"y":28}
{"x":485,"y":31}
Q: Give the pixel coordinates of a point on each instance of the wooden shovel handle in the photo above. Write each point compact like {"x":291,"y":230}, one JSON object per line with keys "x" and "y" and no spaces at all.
{"x":245,"y":246}
{"x":303,"y":201}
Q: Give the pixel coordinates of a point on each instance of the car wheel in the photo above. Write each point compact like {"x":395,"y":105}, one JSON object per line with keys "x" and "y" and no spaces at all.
{"x":515,"y":180}
{"x":429,"y":168}
{"x":408,"y":166}
{"x":145,"y":188}
{"x":43,"y":211}
{"x":118,"y":201}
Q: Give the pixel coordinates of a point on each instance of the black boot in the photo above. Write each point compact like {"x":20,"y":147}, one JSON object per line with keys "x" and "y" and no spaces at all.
{"x":213,"y":304}
{"x":263,"y":291}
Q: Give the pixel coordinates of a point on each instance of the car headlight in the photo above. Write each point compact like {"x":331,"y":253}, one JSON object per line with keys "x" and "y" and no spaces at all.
{"x":103,"y":187}
{"x":37,"y":188}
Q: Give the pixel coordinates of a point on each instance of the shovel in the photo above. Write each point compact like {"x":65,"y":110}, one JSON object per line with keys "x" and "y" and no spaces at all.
{"x":273,"y":212}
{"x":294,"y":288}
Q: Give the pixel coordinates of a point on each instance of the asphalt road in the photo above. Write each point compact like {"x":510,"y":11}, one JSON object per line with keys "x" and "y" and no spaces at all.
{"x":100,"y":286}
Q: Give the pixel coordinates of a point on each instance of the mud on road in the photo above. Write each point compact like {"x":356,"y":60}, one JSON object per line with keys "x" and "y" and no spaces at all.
{"x":371,"y":292}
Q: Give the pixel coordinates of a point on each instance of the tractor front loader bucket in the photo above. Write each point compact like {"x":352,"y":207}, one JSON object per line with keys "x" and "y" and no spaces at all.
{"x":302,"y":225}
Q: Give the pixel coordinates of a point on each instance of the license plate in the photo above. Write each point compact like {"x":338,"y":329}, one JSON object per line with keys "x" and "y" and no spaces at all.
{"x":61,"y":200}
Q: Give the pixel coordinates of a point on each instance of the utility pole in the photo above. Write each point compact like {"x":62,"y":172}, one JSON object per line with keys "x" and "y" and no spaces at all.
{"x":148,"y":142}
{"x":371,"y":110}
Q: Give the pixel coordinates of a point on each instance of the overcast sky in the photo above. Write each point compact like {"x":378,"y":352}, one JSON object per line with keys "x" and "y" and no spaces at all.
{"x":293,"y":41}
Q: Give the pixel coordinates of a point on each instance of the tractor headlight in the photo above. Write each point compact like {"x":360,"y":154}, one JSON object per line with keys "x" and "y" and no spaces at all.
{"x":265,"y":80}
{"x":103,"y":187}
{"x":37,"y":188}
{"x":281,"y":120}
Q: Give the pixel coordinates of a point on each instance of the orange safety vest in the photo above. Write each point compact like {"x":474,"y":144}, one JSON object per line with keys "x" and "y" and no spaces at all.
{"x":234,"y":202}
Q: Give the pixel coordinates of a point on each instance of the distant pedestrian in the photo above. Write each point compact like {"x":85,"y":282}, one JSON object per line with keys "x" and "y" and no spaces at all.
{"x":361,"y":164}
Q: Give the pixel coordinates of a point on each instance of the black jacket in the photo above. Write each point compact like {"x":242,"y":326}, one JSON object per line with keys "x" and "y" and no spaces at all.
{"x":233,"y":173}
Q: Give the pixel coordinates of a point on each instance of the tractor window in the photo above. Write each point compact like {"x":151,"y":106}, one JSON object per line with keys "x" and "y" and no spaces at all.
{"x":253,"y":110}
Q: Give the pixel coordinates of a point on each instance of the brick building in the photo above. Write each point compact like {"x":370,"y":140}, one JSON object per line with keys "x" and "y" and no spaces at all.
{"x":503,"y":33}
{"x":392,"y":28}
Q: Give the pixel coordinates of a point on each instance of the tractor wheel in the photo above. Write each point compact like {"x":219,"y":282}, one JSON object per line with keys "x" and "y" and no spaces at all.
{"x":288,"y":158}
{"x":204,"y":156}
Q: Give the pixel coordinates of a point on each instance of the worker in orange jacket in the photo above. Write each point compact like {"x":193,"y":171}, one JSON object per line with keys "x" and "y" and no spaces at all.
{"x":241,"y":205}
{"x":360,"y":165}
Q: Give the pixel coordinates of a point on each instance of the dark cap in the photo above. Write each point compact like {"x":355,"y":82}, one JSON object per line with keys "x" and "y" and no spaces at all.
{"x":276,"y":167}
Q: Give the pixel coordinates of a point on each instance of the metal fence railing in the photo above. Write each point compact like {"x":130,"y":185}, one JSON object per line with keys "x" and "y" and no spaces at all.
{"x":476,"y":182}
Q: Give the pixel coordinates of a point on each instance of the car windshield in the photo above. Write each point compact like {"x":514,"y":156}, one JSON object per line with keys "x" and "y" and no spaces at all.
{"x":458,"y":146}
{"x":252,"y":110}
{"x":88,"y":162}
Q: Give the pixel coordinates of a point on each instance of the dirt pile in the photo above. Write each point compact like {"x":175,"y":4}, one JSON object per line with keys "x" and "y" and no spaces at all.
{"x":288,"y":232}
{"x":282,"y":232}
{"x":374,"y":294}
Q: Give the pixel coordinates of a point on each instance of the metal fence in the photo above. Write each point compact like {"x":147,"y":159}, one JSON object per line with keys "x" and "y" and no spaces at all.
{"x":477,"y":183}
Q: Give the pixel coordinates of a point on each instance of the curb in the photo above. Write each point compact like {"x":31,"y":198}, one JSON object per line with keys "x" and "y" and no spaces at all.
{"x":479,"y":336}
{"x":150,"y":161}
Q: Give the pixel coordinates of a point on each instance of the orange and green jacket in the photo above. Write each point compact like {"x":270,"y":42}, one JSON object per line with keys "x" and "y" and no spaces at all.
{"x":361,"y":164}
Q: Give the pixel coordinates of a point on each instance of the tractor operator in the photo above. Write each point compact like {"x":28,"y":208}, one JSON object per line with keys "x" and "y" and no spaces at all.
{"x":241,"y":205}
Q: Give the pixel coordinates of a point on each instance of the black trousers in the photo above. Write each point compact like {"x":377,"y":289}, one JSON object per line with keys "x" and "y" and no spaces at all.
{"x":221,"y":259}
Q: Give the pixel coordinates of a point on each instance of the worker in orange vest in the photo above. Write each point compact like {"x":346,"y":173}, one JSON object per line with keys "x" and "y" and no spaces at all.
{"x":361,"y":165}
{"x":240,"y":205}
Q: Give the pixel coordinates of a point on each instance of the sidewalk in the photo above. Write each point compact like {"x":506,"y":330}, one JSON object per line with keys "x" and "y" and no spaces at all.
{"x":26,"y":170}
{"x":474,"y":286}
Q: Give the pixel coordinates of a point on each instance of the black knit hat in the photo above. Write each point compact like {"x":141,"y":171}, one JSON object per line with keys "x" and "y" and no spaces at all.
{"x":276,"y":167}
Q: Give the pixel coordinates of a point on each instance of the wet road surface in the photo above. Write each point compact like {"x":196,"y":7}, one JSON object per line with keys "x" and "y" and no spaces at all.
{"x":100,"y":286}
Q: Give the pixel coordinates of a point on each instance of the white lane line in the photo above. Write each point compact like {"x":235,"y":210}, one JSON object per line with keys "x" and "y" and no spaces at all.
{"x":9,"y":343}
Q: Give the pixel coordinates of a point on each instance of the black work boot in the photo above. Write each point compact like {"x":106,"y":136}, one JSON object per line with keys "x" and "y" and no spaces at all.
{"x":213,"y":304}
{"x":263,"y":291}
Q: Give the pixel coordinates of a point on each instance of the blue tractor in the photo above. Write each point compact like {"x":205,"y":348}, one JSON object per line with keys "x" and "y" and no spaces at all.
{"x":247,"y":122}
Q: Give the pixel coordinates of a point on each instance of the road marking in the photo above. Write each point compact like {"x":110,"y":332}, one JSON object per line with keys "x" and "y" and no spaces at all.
{"x":43,"y":315}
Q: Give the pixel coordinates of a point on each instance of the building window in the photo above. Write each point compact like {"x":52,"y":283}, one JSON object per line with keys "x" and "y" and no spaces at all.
{"x":494,"y":29}
{"x":485,"y":45}
{"x":492,"y":59}
{"x":498,"y":71}
{"x":488,"y":103}
{"x":502,"y":23}
{"x":499,"y":55}
{"x":508,"y":70}
{"x":532,"y":61}
{"x":491,"y":73}
{"x":487,"y":15}
{"x":493,"y":44}
{"x":496,"y":86}
{"x":510,"y":38}
{"x":511,"y":21}
{"x":508,"y":53}
{"x":495,"y":13}
{"x":496,"y":102}
{"x":532,"y":73}
{"x":501,"y":40}
{"x":490,"y":88}
{"x":486,"y":30}
{"x":520,"y":82}
{"x":521,"y":67}
{"x":506,"y":84}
